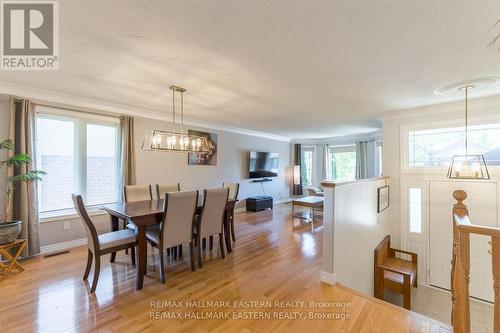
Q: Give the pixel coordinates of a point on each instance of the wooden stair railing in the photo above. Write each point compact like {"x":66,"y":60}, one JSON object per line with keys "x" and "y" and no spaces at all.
{"x":460,"y":265}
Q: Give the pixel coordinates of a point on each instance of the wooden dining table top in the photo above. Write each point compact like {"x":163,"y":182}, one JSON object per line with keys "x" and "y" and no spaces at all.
{"x":130,"y":210}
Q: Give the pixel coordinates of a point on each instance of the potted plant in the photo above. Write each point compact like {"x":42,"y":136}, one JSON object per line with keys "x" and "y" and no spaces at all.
{"x":10,"y":230}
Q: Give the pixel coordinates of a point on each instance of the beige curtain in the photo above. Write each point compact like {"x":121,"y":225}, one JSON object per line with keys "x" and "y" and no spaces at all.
{"x":127,"y":151}
{"x":24,"y":203}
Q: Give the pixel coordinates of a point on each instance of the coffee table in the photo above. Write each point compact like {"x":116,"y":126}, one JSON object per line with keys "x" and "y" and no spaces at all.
{"x":312,"y":202}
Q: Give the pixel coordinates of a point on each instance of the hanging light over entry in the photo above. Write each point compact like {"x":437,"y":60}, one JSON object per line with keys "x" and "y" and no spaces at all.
{"x":468,"y":166}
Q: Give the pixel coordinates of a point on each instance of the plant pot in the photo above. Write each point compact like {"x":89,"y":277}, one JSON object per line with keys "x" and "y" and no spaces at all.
{"x":9,"y":231}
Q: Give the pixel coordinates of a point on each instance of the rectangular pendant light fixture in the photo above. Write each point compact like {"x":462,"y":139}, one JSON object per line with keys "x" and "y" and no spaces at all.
{"x":175,"y":141}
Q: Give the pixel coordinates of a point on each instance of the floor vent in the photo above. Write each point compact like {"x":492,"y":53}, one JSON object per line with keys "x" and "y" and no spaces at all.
{"x":55,"y":254}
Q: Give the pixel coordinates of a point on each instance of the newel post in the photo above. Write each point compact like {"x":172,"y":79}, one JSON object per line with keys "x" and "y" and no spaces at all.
{"x":460,"y":316}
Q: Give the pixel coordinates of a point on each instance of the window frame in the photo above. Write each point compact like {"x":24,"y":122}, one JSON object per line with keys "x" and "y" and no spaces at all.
{"x":313,"y":165}
{"x":404,"y":141}
{"x":80,"y":121}
{"x":347,"y":148}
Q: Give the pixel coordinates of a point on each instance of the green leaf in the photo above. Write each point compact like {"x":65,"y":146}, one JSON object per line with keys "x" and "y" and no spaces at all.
{"x":7,"y":145}
{"x":30,"y":176}
{"x":16,"y":160}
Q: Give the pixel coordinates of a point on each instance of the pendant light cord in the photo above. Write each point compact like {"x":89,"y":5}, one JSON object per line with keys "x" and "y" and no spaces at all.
{"x":173,"y":110}
{"x":466,"y":122}
{"x":182,"y":112}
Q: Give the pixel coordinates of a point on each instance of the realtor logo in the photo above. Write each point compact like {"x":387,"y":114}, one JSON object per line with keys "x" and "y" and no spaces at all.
{"x":30,"y":36}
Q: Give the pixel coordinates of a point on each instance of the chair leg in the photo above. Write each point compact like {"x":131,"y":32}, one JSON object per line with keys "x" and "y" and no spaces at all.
{"x":221,"y":245}
{"x":232,"y":230}
{"x":97,"y":271}
{"x":162,"y":264}
{"x":211,"y":243}
{"x":407,"y":293}
{"x":124,"y":228}
{"x":191,"y":254}
{"x":89,"y":265}
{"x":200,"y":262}
{"x":132,"y":255}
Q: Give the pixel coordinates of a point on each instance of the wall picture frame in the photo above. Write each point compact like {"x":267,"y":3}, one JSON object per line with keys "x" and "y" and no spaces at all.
{"x":209,"y":158}
{"x":383,"y":198}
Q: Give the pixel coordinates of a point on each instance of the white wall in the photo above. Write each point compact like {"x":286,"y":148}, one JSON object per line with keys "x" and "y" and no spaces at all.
{"x":158,"y":167}
{"x":353,"y":226}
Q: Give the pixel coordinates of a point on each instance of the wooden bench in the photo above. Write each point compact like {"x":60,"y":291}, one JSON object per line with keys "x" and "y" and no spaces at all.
{"x":394,"y":273}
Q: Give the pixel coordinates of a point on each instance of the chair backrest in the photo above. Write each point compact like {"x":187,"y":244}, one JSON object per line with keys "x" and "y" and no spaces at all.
{"x":92,"y":237}
{"x":212,"y":215}
{"x":137,"y":193}
{"x":234,"y":188}
{"x":162,"y":189}
{"x":382,"y":250}
{"x":179,"y":209}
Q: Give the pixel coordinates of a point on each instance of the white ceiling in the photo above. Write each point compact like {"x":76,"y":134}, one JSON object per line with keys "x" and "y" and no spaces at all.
{"x":298,"y":69}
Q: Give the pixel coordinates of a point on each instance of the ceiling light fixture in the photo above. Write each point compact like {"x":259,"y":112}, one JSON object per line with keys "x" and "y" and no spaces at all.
{"x":467,"y":166}
{"x":174,"y":141}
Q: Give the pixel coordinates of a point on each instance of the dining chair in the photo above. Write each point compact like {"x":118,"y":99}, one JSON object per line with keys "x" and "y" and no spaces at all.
{"x":176,"y":228}
{"x":161,"y":189}
{"x":132,"y":193}
{"x":211,"y":218}
{"x":137,"y":193}
{"x":99,"y":245}
{"x":234,"y":189}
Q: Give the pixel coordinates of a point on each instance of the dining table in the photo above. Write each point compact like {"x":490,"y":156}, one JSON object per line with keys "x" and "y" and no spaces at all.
{"x":150,"y":212}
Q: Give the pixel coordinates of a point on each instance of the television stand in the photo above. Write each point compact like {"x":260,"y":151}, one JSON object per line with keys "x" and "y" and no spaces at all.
{"x":258,"y":203}
{"x":263,"y":180}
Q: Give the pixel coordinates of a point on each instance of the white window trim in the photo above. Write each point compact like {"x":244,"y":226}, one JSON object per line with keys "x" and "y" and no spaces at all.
{"x":343,"y":148}
{"x":407,"y":128}
{"x":313,"y":167}
{"x":68,"y":214}
{"x":80,"y":119}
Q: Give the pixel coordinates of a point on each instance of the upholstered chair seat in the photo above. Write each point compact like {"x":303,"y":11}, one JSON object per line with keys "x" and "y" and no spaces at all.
{"x":117,"y":238}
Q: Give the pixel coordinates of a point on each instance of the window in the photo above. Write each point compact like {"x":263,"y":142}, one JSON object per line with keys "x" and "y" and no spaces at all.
{"x":415,"y":209}
{"x":79,"y":155}
{"x":435,"y":147}
{"x":55,"y":150}
{"x":308,"y":157}
{"x":343,"y":163}
{"x":378,"y":158}
{"x":102,"y":171}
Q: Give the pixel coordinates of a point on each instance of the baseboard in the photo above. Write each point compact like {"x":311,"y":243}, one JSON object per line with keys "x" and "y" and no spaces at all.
{"x":63,"y":246}
{"x":327,"y":278}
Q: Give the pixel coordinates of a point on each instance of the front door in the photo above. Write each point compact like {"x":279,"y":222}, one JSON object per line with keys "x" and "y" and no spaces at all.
{"x":482,"y":204}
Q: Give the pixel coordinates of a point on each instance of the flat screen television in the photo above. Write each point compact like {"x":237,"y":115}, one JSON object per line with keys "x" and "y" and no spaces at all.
{"x":263,"y":164}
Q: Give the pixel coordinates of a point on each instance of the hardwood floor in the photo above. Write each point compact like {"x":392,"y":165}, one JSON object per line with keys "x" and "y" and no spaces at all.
{"x":271,"y":262}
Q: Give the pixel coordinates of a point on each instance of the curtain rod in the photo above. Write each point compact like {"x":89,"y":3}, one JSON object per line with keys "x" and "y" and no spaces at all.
{"x":69,"y":108}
